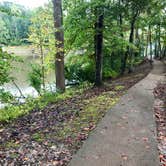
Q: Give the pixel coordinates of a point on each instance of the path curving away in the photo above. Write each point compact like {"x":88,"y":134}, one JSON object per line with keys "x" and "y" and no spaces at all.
{"x":126,"y":135}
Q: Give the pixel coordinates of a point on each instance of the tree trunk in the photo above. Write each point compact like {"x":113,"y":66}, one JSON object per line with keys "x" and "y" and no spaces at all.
{"x":137,"y":42}
{"x":150,"y":41}
{"x":59,"y":37}
{"x":142,"y":44}
{"x":123,"y":65}
{"x":159,"y":42}
{"x":42,"y":63}
{"x":163,"y":52}
{"x":131,"y":40}
{"x":156,"y":52}
{"x":147,"y":43}
{"x":98,"y":40}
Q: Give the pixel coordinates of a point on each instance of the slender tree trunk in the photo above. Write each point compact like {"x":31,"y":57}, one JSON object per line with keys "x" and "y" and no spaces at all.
{"x":142,"y":44}
{"x":98,"y":39}
{"x":156,"y":54}
{"x":147,"y":43}
{"x":137,"y":42}
{"x":42,"y":62}
{"x":131,"y":40}
{"x":123,"y":60}
{"x":129,"y":51}
{"x":150,"y":41}
{"x":59,"y":37}
{"x":163,"y":54}
{"x":159,"y":42}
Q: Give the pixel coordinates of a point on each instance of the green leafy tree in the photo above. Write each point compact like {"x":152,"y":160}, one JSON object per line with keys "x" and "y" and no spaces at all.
{"x":41,"y":35}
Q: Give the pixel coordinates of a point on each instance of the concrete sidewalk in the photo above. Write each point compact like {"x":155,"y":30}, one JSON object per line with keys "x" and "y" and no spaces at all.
{"x":126,"y":135}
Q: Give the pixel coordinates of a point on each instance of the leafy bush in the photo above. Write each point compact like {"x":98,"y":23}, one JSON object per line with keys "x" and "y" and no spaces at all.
{"x":6,"y":97}
{"x":35,"y":77}
{"x":109,"y":73}
{"x":5,"y":67}
{"x":80,"y":67}
{"x":111,"y":67}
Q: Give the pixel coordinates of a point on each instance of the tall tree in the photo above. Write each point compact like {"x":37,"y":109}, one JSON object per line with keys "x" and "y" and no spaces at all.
{"x":59,"y":37}
{"x":98,"y":43}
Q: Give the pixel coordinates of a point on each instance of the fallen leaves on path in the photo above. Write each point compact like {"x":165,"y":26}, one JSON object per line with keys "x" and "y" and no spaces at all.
{"x":124,"y":157}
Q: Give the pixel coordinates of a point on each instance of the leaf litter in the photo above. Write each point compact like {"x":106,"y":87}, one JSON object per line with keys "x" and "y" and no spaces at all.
{"x":52,"y":135}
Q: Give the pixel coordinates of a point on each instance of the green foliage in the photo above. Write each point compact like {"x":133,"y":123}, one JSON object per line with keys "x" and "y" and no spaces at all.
{"x":79,"y":28}
{"x":38,"y":137}
{"x":14,"y":23}
{"x":94,"y":109}
{"x":109,"y":73}
{"x":12,"y":112}
{"x":80,"y":68}
{"x":35,"y":77}
{"x":119,"y":87}
{"x":41,"y":34}
{"x":41,"y":31}
{"x":6,"y":97}
{"x":5,"y":67}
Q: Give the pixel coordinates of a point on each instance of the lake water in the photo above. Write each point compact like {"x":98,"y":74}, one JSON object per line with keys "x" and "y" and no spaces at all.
{"x":29,"y":56}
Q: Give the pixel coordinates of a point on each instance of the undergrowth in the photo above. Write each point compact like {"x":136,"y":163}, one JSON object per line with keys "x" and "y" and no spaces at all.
{"x":12,"y":112}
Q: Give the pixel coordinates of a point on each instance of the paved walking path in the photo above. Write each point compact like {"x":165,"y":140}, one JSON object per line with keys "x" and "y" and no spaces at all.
{"x":126,"y":135}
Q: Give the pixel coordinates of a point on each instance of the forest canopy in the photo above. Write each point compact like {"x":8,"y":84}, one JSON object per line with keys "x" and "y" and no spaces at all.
{"x":93,"y":39}
{"x":14,"y":23}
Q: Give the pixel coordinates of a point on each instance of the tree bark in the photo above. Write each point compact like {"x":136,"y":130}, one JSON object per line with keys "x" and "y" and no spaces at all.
{"x":147,"y":43}
{"x":59,"y":37}
{"x":131,"y":40}
{"x":142,"y":44}
{"x":98,"y":40}
{"x":137,"y":42}
{"x":150,"y":41}
{"x":122,"y":36}
{"x":159,"y":42}
{"x":156,"y":52}
{"x":42,"y":63}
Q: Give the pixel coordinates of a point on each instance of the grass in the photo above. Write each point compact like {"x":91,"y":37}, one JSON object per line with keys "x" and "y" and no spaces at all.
{"x":38,"y":137}
{"x":77,"y":128}
{"x":11,"y":112}
{"x":12,"y":144}
{"x":119,"y":87}
{"x":84,"y":121}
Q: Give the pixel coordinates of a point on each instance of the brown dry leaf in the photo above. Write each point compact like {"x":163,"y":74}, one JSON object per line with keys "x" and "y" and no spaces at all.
{"x":123,"y":127}
{"x":124,"y":157}
{"x":124,"y":117}
{"x":55,"y":163}
{"x":145,"y":139}
{"x":17,"y":142}
{"x":92,"y":126}
{"x":147,"y":147}
{"x":1,"y":130}
{"x":26,"y":158}
{"x":86,"y":129}
{"x":119,"y":124}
